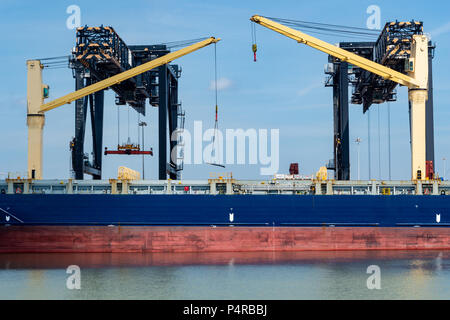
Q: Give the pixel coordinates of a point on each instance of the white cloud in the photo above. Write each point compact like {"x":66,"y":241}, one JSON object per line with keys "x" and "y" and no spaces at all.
{"x":441,"y":30}
{"x":222,"y":84}
{"x":305,"y":90}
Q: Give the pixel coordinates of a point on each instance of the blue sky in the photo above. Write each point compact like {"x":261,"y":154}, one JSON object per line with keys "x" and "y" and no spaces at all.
{"x":283,"y":90}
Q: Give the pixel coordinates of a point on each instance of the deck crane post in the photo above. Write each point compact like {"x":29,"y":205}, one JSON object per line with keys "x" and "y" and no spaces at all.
{"x":416,"y":80}
{"x":37,"y":92}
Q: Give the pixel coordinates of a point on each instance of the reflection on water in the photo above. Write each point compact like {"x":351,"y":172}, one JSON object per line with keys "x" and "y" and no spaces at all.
{"x":271,"y":275}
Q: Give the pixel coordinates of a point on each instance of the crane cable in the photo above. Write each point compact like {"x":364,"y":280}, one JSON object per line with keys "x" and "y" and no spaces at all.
{"x":329,"y":29}
{"x":254,"y":45}
{"x":138,"y":131}
{"x":59,"y":62}
{"x":118,"y":126}
{"x":389,"y":138}
{"x":181,"y":43}
{"x":128,"y":111}
{"x":215,"y":88}
{"x":216,"y":122}
{"x":128,"y":142}
{"x":368,"y":144}
{"x":379,"y":143}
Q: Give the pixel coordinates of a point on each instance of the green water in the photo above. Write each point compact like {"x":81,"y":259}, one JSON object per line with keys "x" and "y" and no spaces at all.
{"x":307,"y":275}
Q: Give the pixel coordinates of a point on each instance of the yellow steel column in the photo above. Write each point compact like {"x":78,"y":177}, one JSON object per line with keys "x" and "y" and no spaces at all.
{"x":418,"y":98}
{"x":35,"y":119}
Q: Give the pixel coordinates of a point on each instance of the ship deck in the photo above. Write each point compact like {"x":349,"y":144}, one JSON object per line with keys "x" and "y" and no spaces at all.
{"x":225,"y":186}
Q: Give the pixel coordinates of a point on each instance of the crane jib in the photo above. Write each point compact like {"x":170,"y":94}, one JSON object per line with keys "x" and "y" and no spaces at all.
{"x":342,"y":54}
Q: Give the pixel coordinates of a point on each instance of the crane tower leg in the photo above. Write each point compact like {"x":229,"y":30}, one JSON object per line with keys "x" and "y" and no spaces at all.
{"x":162,"y":122}
{"x":340,"y":118}
{"x":35,"y":119}
{"x":80,"y":163}
{"x":173,"y":109}
{"x":97,"y":108}
{"x":80,"y":127}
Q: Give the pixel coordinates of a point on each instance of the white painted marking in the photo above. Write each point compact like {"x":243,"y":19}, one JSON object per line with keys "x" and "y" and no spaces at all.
{"x":231,"y":217}
{"x":438,"y":218}
{"x":7,"y":218}
{"x":9,"y":214}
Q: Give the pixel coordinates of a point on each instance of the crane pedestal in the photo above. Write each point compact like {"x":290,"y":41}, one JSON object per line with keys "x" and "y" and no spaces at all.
{"x":35,"y":123}
{"x":418,"y":101}
{"x":35,"y":118}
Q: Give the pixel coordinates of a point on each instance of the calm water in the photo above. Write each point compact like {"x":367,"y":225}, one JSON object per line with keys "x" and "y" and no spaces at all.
{"x":301,"y":275}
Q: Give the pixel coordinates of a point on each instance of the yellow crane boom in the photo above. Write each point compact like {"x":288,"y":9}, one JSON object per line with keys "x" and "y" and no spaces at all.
{"x":118,"y":78}
{"x":35,"y":98}
{"x":416,"y":80}
{"x":344,"y":55}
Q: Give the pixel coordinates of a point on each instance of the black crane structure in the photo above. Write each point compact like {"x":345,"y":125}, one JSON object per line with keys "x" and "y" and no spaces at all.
{"x":391,"y":49}
{"x":99,"y":54}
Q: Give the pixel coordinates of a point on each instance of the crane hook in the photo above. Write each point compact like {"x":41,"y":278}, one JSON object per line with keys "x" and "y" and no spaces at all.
{"x":254,"y":49}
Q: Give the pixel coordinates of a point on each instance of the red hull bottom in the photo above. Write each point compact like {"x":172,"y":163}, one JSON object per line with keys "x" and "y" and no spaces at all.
{"x":15,"y":239}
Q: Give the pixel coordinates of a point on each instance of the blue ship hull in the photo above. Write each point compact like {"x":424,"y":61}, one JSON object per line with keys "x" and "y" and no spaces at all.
{"x":206,"y":210}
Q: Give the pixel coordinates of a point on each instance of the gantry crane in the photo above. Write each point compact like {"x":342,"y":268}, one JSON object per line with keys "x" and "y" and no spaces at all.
{"x":100,"y":53}
{"x":392,"y":48}
{"x":416,"y":80}
{"x":37,"y":92}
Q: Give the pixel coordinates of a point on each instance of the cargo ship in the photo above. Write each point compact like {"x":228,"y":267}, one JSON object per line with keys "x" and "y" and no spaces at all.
{"x":222,"y":214}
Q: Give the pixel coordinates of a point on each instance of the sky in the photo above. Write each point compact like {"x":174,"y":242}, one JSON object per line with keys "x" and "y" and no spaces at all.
{"x":283,"y":90}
